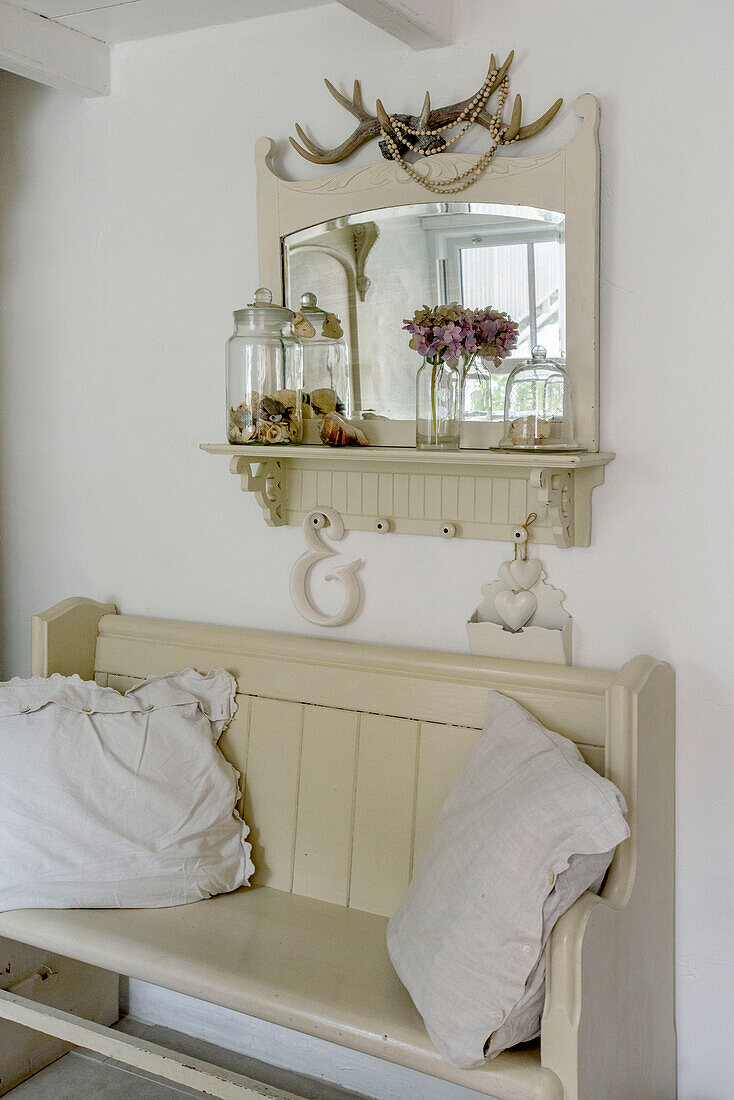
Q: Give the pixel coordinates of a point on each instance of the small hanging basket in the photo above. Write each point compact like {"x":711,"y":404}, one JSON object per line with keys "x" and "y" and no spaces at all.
{"x":522,"y":615}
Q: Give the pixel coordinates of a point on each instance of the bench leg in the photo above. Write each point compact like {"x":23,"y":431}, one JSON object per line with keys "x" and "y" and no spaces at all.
{"x":168,"y":1064}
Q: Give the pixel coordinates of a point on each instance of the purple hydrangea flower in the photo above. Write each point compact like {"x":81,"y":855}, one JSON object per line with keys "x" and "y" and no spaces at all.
{"x":448,"y":333}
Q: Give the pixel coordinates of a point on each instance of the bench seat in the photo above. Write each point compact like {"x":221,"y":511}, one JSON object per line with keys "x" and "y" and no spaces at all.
{"x":346,"y":753}
{"x":313,"y":966}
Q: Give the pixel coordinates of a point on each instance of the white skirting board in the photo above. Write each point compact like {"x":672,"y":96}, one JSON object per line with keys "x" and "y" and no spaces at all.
{"x":279,"y":1046}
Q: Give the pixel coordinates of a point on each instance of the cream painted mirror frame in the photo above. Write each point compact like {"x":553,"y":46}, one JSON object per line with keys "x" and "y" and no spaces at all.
{"x":565,"y":180}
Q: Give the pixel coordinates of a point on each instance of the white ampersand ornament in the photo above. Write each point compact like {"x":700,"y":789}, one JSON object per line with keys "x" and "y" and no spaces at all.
{"x":318,"y":520}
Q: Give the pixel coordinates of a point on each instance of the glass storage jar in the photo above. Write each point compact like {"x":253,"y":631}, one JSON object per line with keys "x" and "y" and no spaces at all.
{"x":326,"y":380}
{"x":264,"y":374}
{"x":538,"y":407}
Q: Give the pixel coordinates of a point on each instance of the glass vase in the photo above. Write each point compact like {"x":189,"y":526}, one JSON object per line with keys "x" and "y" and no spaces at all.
{"x":437,"y":406}
{"x":476,"y":388}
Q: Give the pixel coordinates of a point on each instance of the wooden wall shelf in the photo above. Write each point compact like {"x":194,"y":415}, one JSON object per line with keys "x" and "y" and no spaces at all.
{"x":467,"y":494}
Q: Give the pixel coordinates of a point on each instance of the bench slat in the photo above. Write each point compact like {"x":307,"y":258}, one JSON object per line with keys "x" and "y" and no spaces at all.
{"x":443,"y":750}
{"x":323,"y":847}
{"x":271,"y":788}
{"x":383,"y":813}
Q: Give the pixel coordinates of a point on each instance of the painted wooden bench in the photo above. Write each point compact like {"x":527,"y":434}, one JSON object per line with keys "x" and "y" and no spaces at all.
{"x":347,"y":752}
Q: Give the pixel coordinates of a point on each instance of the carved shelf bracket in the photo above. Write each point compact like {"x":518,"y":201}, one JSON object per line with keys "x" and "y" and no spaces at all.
{"x":364,"y":237}
{"x":267,"y":483}
{"x":555,"y":492}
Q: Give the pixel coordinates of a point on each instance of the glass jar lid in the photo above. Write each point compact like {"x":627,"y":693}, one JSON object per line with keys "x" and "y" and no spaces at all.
{"x":310,"y":308}
{"x":326,"y":324}
{"x":263,"y":312}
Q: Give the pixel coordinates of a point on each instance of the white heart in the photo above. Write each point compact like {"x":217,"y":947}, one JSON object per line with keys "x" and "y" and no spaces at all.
{"x":526,"y":573}
{"x":515,"y":608}
{"x":505,"y":575}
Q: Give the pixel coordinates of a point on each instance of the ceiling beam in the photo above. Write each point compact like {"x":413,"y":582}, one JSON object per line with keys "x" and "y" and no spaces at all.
{"x":52,"y":54}
{"x":425,"y":29}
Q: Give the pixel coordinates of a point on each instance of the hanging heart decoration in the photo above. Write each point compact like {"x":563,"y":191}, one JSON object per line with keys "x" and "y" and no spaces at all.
{"x":506,"y":576}
{"x":525,"y":573}
{"x":515,"y":608}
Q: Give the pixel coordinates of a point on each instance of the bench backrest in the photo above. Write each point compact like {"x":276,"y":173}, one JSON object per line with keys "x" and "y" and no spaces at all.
{"x":347,"y":751}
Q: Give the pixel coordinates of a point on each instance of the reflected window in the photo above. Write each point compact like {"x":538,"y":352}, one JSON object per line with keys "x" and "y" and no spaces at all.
{"x":525,"y":276}
{"x":515,"y":267}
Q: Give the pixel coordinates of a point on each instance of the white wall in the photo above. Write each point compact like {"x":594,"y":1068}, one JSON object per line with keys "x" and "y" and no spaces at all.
{"x":127,"y":235}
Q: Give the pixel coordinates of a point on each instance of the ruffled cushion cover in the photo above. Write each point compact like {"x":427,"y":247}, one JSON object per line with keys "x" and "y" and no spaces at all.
{"x":526,"y":829}
{"x":110,"y":800}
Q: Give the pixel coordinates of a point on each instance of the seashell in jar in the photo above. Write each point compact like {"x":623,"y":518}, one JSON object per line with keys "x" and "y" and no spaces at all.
{"x":323,"y":401}
{"x":234,"y":434}
{"x":286,"y":397}
{"x":277,"y":433}
{"x":529,"y":431}
{"x":306,"y":410}
{"x":338,"y":432}
{"x":270,"y":409}
{"x":240,"y":416}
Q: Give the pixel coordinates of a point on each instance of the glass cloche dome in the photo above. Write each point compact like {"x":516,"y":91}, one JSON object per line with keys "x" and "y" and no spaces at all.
{"x":538,"y":407}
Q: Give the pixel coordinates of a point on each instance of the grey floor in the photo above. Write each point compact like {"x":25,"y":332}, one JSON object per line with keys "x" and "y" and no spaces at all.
{"x":83,"y":1074}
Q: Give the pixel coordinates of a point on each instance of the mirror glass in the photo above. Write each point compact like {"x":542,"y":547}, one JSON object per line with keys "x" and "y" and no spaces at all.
{"x":376,"y":268}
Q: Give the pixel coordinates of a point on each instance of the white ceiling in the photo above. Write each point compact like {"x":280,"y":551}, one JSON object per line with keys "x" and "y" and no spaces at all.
{"x":67,"y":44}
{"x":115,"y":21}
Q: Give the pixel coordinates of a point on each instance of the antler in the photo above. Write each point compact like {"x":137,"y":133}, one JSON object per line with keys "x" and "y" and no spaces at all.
{"x":515,"y":129}
{"x":368,"y":128}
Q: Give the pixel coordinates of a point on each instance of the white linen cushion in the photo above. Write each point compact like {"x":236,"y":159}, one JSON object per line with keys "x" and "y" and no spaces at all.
{"x":527,"y":828}
{"x":110,"y":800}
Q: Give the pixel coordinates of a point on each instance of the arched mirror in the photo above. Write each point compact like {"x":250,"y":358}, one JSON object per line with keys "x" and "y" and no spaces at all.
{"x":522,"y":238}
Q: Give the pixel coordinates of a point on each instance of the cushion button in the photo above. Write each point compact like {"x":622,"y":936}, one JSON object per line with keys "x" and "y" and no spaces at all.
{"x":25,"y":709}
{"x":498,"y":1016}
{"x":551,"y":878}
{"x":87,"y":710}
{"x":528,"y":950}
{"x":149,"y":707}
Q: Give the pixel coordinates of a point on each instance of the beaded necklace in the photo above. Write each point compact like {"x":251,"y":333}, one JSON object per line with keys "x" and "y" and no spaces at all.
{"x":471,"y":113}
